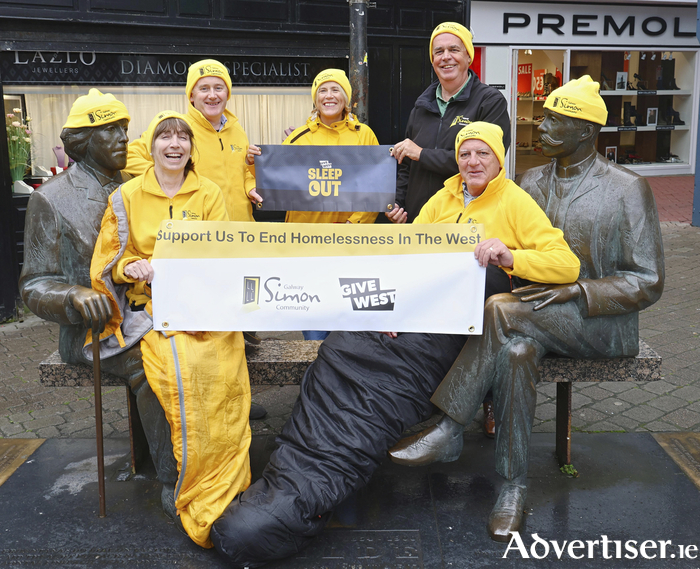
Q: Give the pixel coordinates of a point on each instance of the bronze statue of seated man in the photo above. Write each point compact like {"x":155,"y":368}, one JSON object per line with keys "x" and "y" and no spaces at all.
{"x":609,"y":218}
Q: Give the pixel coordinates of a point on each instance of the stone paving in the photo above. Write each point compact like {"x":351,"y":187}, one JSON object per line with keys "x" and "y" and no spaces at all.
{"x":671,"y":327}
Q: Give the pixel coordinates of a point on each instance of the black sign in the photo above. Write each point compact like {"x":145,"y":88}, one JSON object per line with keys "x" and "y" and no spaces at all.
{"x":326,"y":178}
{"x":91,"y":68}
{"x":646,"y":92}
{"x":623,"y":128}
{"x":498,"y":85}
{"x":666,"y":127}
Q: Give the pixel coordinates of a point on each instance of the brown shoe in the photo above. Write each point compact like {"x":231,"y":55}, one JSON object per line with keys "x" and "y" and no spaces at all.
{"x":489,"y":420}
{"x":507,"y":514}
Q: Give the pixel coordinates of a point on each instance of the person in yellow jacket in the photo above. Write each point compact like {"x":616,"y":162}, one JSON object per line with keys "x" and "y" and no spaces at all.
{"x":211,"y":435}
{"x":527,"y":244}
{"x":222,"y":143}
{"x":330,"y":124}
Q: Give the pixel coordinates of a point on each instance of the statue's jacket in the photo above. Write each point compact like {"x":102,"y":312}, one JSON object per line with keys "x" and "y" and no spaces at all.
{"x":61,"y":227}
{"x":612,"y":225}
{"x":218,"y":155}
{"x":200,"y":380}
{"x":540,"y":253}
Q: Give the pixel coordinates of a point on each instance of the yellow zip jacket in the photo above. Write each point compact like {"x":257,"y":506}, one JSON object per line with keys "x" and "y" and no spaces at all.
{"x":220,"y":156}
{"x":146,"y":206}
{"x":348,"y":132}
{"x":201,"y":379}
{"x":540,"y":253}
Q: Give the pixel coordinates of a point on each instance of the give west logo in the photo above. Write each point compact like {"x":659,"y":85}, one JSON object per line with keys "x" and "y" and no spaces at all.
{"x":366,"y":294}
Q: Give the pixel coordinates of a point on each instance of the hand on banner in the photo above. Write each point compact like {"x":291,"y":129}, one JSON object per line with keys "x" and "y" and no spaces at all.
{"x":493,"y":252}
{"x":254,"y":197}
{"x":406,"y":149}
{"x":253,"y":151}
{"x":140,"y":270}
{"x":92,"y":305}
{"x":397,"y":215}
{"x":390,"y":334}
{"x":548,"y":294}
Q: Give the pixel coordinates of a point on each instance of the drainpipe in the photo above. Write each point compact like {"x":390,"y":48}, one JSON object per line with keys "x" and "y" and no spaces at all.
{"x":359,"y":72}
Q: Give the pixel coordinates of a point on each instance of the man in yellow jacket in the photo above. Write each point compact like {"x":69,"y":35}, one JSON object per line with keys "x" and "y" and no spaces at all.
{"x":220,"y":141}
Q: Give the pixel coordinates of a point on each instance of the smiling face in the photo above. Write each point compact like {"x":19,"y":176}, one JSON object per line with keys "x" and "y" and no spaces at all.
{"x":478,"y":165}
{"x":171,"y":150}
{"x":330,"y":102}
{"x":106,"y":151}
{"x":209,"y":97}
{"x":450,"y":61}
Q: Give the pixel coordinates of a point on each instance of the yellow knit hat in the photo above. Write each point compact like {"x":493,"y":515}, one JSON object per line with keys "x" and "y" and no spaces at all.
{"x":580,"y":99}
{"x":337,"y":75}
{"x":491,"y":134}
{"x":457,"y":29}
{"x":96,"y":109}
{"x":207,"y":68}
{"x":159,"y":118}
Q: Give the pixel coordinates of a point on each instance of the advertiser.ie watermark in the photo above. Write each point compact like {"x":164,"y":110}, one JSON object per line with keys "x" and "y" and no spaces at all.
{"x":603,"y":548}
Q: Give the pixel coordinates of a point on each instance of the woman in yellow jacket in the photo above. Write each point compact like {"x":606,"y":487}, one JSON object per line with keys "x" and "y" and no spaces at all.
{"x":211,"y":435}
{"x":331,"y":124}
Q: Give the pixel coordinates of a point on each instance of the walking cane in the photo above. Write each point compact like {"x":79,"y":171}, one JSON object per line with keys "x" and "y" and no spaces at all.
{"x":98,"y":415}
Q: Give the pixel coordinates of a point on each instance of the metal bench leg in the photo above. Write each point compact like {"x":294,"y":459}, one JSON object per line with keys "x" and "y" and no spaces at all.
{"x":137,"y":438}
{"x":564,"y":422}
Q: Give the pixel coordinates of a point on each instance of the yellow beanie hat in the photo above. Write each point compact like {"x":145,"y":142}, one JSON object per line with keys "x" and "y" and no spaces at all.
{"x":207,"y":68}
{"x":491,"y":134}
{"x":337,"y":75}
{"x":457,"y":29}
{"x":580,"y":99}
{"x":96,"y":109}
{"x":159,"y":118}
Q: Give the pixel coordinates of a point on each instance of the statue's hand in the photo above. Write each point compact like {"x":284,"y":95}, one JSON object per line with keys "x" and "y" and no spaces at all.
{"x":548,"y":294}
{"x":93,"y":306}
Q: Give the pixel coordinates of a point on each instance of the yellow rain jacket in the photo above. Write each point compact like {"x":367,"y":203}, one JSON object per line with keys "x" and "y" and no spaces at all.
{"x":220,"y":156}
{"x":540,"y":253}
{"x":348,"y":132}
{"x":201,"y":380}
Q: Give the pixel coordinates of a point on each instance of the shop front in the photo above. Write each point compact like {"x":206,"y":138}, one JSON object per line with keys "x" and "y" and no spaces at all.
{"x":644,"y":55}
{"x":55,"y":50}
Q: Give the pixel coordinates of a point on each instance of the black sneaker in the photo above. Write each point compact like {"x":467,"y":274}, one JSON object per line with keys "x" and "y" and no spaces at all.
{"x":257,"y":412}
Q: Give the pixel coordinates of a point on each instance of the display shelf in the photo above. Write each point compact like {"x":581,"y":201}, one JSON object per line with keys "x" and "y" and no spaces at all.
{"x":664,"y":108}
{"x":658,"y":128}
{"x":633,"y":92}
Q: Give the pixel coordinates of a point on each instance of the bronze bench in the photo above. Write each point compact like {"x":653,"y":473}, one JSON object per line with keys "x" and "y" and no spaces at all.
{"x":283,"y":362}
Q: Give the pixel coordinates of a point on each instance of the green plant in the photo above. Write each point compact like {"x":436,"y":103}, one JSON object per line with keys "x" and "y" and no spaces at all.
{"x":19,"y":143}
{"x":569,"y":470}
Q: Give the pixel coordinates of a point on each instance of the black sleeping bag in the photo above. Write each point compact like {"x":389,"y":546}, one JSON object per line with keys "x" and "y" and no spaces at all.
{"x":356,"y":400}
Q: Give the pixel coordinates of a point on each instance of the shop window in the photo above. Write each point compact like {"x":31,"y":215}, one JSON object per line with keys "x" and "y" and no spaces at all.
{"x":264,"y":112}
{"x":649,"y":96}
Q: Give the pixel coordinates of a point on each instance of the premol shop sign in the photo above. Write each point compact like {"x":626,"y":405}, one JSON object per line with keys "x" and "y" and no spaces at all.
{"x":589,"y":24}
{"x":89,"y":67}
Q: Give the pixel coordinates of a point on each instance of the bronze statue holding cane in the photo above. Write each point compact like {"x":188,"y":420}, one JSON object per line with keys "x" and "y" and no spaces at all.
{"x":62,"y":223}
{"x":609,"y":218}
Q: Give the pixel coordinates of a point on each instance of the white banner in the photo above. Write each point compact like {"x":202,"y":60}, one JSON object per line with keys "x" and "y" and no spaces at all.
{"x":440,"y":292}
